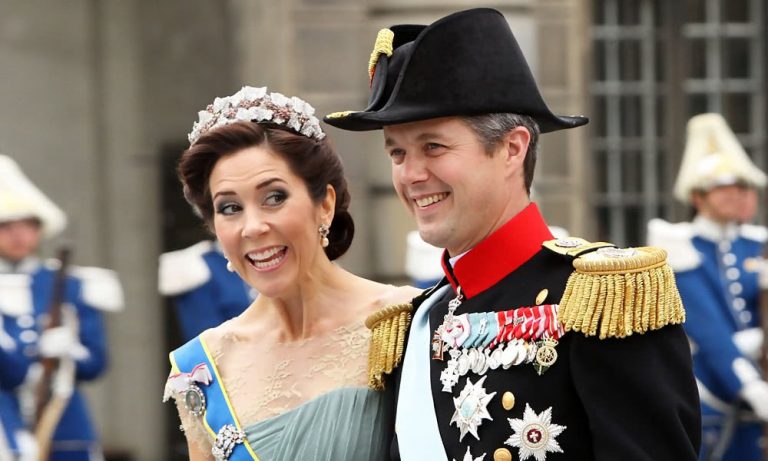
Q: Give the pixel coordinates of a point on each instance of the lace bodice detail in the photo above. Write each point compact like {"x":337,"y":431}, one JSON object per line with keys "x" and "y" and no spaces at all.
{"x":267,"y":380}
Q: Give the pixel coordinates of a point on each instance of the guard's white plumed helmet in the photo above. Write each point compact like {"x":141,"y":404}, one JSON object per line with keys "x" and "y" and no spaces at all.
{"x":21,"y":199}
{"x":713,"y":157}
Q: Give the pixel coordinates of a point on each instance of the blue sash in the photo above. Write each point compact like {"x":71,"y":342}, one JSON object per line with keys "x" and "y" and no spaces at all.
{"x":218,"y":410}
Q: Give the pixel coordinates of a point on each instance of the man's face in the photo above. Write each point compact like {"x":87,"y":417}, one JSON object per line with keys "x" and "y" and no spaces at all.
{"x":723,"y":204}
{"x":19,"y":239}
{"x":750,"y":203}
{"x":457,"y":192}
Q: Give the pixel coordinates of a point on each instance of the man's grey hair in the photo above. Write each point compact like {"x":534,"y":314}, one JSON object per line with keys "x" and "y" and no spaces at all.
{"x":491,"y":129}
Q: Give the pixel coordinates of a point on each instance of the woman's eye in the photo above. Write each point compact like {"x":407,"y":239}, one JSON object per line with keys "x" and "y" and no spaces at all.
{"x":275,"y":198}
{"x":433,"y":146}
{"x":228,"y":208}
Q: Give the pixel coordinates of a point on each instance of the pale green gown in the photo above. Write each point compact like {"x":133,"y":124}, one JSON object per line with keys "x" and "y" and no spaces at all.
{"x":344,"y":424}
{"x":301,"y":401}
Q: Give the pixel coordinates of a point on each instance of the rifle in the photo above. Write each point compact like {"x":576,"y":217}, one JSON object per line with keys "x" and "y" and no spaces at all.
{"x":49,"y":404}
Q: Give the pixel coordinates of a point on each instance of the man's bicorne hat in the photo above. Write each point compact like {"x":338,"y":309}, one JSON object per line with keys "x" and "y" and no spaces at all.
{"x":467,"y":63}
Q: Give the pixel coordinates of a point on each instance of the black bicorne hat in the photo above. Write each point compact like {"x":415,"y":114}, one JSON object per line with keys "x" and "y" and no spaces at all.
{"x":467,"y":63}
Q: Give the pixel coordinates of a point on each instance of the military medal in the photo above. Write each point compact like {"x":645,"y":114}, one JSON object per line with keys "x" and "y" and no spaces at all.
{"x":450,"y":375}
{"x":463,"y":363}
{"x":438,"y":344}
{"x":480,"y":341}
{"x":468,"y":457}
{"x":471,"y":408}
{"x":534,"y":435}
{"x":546,"y":355}
{"x":494,"y":360}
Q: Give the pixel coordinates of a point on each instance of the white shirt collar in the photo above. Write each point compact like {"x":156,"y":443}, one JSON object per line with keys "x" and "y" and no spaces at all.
{"x":714,"y":231}
{"x":25,"y":266}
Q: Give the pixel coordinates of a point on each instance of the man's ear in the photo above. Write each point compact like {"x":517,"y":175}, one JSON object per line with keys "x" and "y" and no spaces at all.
{"x":515,"y":148}
{"x":697,"y":197}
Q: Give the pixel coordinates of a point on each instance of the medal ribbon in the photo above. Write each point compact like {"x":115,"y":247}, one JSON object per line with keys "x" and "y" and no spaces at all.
{"x":527,"y":323}
{"x":180,"y":382}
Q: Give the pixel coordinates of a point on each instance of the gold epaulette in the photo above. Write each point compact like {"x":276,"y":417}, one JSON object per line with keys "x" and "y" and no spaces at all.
{"x":615,"y":292}
{"x":388,"y":330}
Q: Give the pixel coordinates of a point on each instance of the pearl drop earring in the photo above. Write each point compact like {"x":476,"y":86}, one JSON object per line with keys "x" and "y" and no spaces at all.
{"x":323,"y":230}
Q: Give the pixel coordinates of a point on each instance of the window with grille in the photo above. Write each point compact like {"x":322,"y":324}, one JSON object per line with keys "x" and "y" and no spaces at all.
{"x":655,"y":64}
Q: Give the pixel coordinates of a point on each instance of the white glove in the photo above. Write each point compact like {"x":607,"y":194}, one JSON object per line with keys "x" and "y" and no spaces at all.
{"x":61,"y":342}
{"x":749,"y":342}
{"x":755,"y":393}
{"x":28,"y":449}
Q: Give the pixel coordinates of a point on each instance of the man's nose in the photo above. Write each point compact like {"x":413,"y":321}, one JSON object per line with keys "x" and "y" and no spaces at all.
{"x":414,"y":169}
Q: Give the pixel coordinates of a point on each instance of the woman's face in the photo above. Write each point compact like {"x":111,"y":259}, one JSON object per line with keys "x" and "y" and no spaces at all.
{"x":266,"y":221}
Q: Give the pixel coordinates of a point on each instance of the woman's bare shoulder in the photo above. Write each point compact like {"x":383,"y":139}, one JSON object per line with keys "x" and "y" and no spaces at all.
{"x":227,"y":335}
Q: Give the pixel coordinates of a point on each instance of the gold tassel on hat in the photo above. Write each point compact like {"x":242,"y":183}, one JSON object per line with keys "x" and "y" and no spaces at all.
{"x":388,"y":330}
{"x":383,"y":45}
{"x":616,"y":292}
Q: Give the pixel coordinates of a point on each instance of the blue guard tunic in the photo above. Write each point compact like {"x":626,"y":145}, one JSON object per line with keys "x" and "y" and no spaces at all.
{"x":13,"y":368}
{"x":16,"y":336}
{"x":87,"y":291}
{"x":717,"y":274}
{"x":204,"y":292}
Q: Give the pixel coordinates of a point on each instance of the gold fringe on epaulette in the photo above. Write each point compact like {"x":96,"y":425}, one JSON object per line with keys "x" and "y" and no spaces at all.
{"x":616,"y":297}
{"x":388,"y":330}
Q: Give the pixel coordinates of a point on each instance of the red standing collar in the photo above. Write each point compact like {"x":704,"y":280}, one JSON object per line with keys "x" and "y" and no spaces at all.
{"x":508,"y":248}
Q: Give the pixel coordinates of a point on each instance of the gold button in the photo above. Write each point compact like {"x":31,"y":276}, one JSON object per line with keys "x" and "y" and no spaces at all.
{"x":508,"y":400}
{"x":502,"y":454}
{"x":542,"y":296}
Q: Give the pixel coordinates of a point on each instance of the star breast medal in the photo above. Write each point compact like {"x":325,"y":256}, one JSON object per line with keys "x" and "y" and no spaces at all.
{"x":534,"y":434}
{"x":468,"y":457}
{"x":471,"y":408}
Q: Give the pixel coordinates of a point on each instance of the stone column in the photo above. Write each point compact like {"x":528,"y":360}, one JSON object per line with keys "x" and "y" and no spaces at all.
{"x":563,"y":52}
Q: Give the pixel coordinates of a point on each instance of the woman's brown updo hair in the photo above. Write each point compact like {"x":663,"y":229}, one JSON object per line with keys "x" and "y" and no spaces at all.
{"x":315,"y":162}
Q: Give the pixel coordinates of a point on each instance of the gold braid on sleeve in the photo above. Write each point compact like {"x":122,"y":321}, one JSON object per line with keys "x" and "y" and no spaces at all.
{"x":614,"y":293}
{"x":388,"y":331}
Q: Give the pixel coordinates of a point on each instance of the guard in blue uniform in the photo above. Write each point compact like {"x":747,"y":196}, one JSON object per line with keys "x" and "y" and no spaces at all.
{"x":205,"y":293}
{"x":718,"y":262}
{"x":530,"y":347}
{"x":26,"y":216}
